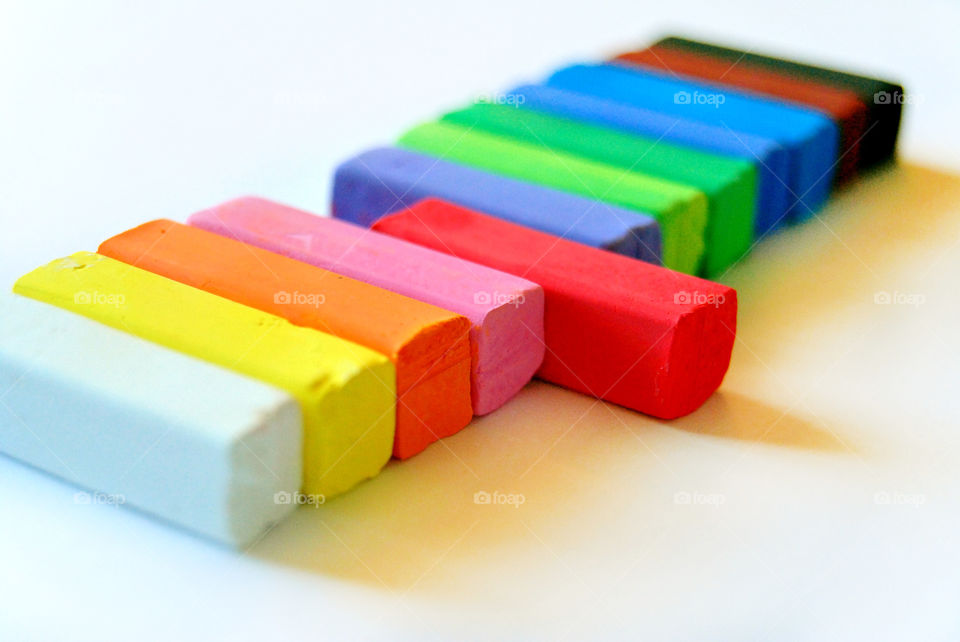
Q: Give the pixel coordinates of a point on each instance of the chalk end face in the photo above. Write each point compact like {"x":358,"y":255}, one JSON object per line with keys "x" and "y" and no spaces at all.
{"x":732,"y":222}
{"x":647,"y":243}
{"x":700,"y":352}
{"x":696,"y":215}
{"x":435,"y":409}
{"x":641,"y":242}
{"x":510,"y":346}
{"x":773,"y":193}
{"x":433,"y":386}
{"x":352,"y":199}
{"x":266,"y":468}
{"x":354,"y":417}
{"x":813,"y":183}
{"x":676,"y":375}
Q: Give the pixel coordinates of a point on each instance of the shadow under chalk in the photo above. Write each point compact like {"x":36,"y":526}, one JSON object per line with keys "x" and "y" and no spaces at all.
{"x":804,"y":274}
{"x":729,"y":415}
{"x":559,"y":450}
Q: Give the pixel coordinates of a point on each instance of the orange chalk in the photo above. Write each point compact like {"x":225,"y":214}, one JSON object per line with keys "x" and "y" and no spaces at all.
{"x":430,"y":346}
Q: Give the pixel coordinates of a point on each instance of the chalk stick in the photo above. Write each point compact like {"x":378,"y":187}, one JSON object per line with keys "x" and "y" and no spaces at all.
{"x":346,"y":392}
{"x":884,"y":99}
{"x":506,"y":311}
{"x":429,"y":346}
{"x":632,"y":333}
{"x":681,"y":211}
{"x":146,"y":427}
{"x":810,"y":138}
{"x":769,"y":157}
{"x":842,"y":106}
{"x":384,"y":180}
{"x":729,"y":184}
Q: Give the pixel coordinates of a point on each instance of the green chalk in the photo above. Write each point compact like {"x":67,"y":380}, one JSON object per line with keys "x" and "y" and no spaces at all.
{"x":730,"y":184}
{"x":680,"y":210}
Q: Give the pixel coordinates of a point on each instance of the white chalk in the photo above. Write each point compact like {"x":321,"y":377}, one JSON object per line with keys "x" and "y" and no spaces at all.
{"x":192,"y":443}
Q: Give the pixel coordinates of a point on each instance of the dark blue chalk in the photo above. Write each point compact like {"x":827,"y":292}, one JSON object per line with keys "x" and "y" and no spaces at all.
{"x":387,"y":179}
{"x":810,"y":138}
{"x":773,"y":197}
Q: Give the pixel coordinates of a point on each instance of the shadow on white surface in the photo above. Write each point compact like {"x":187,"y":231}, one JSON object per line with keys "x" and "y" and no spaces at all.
{"x":556,"y":449}
{"x":804,"y":275}
{"x":730,"y":415}
{"x":572,"y":459}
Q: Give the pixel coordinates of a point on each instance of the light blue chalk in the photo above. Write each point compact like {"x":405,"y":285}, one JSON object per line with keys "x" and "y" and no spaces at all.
{"x":769,"y":157}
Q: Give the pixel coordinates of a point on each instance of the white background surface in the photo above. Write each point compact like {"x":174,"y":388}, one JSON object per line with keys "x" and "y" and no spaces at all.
{"x":822,"y":478}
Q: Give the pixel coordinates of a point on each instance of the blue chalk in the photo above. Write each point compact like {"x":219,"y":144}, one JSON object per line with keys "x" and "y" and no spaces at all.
{"x":810,"y":138}
{"x":770,"y":158}
{"x":387,"y":179}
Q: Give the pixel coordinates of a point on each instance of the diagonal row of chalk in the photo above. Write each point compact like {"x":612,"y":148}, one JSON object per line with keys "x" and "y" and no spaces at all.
{"x":218,"y":373}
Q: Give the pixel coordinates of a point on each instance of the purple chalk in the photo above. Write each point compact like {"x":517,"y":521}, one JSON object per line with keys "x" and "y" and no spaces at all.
{"x":387,"y":179}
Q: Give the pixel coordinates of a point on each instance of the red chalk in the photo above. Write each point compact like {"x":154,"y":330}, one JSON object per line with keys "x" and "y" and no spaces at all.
{"x":629,"y":332}
{"x":844,"y":107}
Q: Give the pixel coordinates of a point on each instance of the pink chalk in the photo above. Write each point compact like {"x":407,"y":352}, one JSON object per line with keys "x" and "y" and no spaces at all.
{"x":506,"y":311}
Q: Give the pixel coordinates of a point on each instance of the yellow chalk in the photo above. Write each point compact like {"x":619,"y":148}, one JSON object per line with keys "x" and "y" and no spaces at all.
{"x":347,"y":392}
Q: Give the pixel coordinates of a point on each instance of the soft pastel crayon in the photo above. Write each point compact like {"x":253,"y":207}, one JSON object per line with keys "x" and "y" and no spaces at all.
{"x":729,"y":184}
{"x":768,"y":156}
{"x":429,"y":346}
{"x":843,"y":106}
{"x":884,"y":99}
{"x":632,"y":333}
{"x":346,"y":392}
{"x":506,"y":311}
{"x":810,"y":138}
{"x":386,"y":179}
{"x":680,"y":210}
{"x":139,"y":425}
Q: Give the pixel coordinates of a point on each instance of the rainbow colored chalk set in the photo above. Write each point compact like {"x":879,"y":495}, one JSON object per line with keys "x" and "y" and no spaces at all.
{"x":217,"y":373}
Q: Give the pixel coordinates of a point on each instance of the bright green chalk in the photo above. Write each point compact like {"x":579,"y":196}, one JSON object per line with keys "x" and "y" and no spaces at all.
{"x":730,"y":184}
{"x":681,"y":211}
